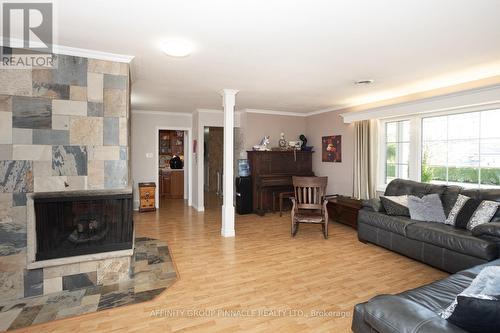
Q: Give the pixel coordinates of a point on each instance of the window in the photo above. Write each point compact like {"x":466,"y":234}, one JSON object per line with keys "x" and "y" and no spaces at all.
{"x":462,"y":149}
{"x":397,"y":150}
{"x":443,"y":148}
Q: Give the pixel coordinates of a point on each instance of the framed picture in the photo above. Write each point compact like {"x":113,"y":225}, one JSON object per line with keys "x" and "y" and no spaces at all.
{"x":331,"y":148}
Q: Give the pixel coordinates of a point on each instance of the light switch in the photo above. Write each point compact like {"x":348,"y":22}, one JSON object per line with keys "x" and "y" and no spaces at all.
{"x":149,"y":155}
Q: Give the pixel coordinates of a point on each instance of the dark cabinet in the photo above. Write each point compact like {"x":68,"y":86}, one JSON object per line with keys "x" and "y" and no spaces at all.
{"x":244,"y":195}
{"x":344,"y":210}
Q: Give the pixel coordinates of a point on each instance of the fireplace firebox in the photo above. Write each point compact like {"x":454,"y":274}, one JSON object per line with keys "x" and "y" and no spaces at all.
{"x":72,"y":225}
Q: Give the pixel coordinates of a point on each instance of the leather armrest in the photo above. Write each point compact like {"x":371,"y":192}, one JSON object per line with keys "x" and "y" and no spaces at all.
{"x":490,"y":229}
{"x":373,"y":204}
{"x":395,"y":314}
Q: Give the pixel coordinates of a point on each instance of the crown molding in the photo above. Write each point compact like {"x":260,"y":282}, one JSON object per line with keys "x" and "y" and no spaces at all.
{"x":77,"y":52}
{"x":473,"y":98}
{"x":162,"y":113}
{"x":275,"y":112}
{"x":313,"y":113}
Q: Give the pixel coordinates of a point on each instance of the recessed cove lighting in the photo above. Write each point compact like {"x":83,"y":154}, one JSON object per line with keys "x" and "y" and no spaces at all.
{"x":363,"y":82}
{"x":177,"y":47}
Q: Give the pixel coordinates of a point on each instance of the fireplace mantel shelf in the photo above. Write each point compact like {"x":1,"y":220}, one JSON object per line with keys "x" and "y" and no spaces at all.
{"x":84,"y":193}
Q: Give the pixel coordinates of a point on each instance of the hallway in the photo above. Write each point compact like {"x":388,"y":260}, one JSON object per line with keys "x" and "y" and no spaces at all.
{"x":261,"y":269}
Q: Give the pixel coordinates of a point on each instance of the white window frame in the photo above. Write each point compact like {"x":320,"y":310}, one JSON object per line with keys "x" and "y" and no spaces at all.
{"x":415,"y":156}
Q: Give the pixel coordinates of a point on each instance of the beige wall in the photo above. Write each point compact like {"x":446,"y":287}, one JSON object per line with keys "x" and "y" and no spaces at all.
{"x":253,"y":127}
{"x":258,"y":125}
{"x":143,"y":141}
{"x":340,"y":175}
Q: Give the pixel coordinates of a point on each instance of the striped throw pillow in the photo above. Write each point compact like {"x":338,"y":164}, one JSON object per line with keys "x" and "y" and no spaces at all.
{"x":468,"y":213}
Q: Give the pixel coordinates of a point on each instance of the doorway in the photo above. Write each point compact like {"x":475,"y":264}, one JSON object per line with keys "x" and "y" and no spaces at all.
{"x":213,"y":159}
{"x":173,"y":166}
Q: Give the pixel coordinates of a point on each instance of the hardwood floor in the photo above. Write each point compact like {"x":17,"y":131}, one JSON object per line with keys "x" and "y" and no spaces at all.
{"x":262,"y":268}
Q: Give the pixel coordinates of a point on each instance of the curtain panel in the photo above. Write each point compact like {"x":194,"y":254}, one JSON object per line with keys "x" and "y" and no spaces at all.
{"x":365,"y":159}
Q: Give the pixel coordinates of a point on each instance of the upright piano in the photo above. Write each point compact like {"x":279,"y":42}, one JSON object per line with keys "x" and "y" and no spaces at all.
{"x":272,"y":171}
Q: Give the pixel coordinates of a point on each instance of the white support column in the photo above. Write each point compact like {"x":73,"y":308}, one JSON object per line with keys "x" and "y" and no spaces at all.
{"x":228,"y":102}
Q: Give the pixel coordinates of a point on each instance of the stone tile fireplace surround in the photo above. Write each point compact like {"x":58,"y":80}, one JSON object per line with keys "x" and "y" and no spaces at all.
{"x":61,"y":129}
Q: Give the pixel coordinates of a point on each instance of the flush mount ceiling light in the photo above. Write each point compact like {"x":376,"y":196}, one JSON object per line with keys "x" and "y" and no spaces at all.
{"x":364,"y":82}
{"x":177,"y":47}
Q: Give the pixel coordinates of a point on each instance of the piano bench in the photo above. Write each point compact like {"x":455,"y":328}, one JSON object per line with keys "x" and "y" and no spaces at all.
{"x":281,"y":195}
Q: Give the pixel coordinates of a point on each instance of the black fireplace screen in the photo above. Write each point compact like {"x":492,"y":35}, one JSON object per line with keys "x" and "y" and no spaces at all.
{"x":71,"y":226}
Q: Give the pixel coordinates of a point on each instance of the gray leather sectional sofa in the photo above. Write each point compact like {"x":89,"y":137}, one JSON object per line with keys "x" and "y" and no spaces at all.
{"x":439,"y":245}
{"x":414,"y":311}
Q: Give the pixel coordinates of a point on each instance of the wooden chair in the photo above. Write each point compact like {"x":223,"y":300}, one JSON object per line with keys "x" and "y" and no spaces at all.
{"x":309,"y":204}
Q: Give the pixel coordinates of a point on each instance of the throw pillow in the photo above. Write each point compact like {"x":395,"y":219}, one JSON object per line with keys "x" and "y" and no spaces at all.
{"x":468,"y":213}
{"x":429,"y":208}
{"x":476,"y":315}
{"x":395,"y":205}
{"x":486,"y":285}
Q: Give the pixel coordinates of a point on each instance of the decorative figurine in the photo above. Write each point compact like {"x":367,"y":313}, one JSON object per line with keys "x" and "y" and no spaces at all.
{"x":282,"y":142}
{"x":295,"y":145}
{"x":264,"y":144}
{"x":303,"y":138}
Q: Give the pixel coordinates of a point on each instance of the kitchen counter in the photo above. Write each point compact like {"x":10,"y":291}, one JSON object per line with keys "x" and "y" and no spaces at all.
{"x":170,"y":170}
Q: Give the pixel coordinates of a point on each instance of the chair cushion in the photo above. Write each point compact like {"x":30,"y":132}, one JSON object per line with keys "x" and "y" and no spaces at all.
{"x":451,"y":238}
{"x":396,"y":224}
{"x":308,"y":217}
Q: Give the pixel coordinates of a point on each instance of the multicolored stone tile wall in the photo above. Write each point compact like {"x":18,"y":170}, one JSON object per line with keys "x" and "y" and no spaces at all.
{"x":65,"y":128}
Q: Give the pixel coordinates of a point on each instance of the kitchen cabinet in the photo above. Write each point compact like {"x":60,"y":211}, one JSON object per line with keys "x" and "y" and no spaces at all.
{"x":172,"y":183}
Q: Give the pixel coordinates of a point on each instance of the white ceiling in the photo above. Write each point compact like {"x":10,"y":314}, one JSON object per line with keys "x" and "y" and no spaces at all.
{"x":296,"y":56}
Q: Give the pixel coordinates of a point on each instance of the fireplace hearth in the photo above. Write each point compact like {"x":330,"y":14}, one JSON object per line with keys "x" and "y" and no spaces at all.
{"x":74,"y":224}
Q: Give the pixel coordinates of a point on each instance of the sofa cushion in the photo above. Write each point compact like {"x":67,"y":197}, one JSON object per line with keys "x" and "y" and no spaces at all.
{"x":468,"y":213}
{"x":439,"y":294}
{"x":484,"y":194}
{"x":396,"y":224}
{"x":447,"y":193}
{"x":476,"y":315}
{"x":429,"y":208}
{"x":410,"y":187}
{"x":395,"y":206}
{"x":449,"y":197}
{"x":449,"y":237}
